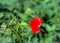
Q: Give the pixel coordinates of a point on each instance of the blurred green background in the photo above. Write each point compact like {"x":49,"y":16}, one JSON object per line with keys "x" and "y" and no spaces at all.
{"x":15,"y":16}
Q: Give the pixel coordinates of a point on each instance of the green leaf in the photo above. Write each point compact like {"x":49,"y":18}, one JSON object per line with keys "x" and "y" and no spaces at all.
{"x":50,"y":28}
{"x":35,"y":40}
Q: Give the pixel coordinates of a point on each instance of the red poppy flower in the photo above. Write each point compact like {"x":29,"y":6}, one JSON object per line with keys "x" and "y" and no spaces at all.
{"x":35,"y":24}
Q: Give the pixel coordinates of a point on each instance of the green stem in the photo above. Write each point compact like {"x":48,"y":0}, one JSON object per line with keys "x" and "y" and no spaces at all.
{"x":18,"y":37}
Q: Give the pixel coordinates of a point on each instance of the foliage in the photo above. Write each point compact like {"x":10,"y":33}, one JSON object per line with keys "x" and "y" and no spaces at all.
{"x":15,"y":16}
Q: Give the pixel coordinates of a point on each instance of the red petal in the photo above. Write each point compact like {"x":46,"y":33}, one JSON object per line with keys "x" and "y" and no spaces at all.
{"x":35,"y":30}
{"x":35,"y":23}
